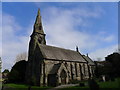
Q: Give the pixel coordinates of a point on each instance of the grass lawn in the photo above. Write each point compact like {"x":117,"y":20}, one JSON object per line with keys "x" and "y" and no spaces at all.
{"x":15,"y":85}
{"x":109,"y":84}
{"x":12,"y":86}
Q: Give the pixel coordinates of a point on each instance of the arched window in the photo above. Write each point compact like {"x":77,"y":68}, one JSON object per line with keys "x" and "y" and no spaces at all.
{"x":84,"y":69}
{"x":76,"y":70}
{"x":71,"y":67}
{"x":81,"y":74}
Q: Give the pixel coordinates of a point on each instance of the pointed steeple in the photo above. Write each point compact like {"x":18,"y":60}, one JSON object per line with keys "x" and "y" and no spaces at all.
{"x":38,"y":18}
{"x":38,"y":24}
{"x":38,"y":32}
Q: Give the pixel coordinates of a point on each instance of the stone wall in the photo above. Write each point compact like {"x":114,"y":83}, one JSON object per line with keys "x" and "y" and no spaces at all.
{"x":75,"y":70}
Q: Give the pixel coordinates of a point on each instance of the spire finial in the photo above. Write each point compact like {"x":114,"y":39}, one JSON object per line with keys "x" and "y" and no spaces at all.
{"x":38,"y":18}
{"x":38,"y":11}
{"x":87,"y":54}
{"x":77,"y":49}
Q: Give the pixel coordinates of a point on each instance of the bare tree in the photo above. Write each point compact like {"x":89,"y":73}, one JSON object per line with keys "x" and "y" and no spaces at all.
{"x":21,"y":56}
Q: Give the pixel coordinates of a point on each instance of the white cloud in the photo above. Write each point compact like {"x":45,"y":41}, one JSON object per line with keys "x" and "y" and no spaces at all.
{"x":103,"y":52}
{"x":102,"y":33}
{"x":105,"y":37}
{"x":60,"y":30}
{"x":59,"y":26}
{"x":13,"y":44}
{"x":109,"y":38}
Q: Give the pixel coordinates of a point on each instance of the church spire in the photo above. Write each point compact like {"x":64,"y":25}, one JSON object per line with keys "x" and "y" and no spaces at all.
{"x":38,"y":24}
{"x":38,"y":18}
{"x":38,"y":33}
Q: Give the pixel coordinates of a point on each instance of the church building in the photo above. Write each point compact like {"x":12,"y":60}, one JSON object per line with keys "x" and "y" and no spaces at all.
{"x":52,"y":66}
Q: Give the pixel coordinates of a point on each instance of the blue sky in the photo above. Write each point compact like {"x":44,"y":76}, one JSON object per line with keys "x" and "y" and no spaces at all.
{"x":93,"y":27}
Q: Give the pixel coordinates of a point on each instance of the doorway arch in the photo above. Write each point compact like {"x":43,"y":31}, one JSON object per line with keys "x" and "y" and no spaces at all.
{"x":63,"y":76}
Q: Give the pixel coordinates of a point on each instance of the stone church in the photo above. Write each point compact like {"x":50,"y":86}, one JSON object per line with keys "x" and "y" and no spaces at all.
{"x":52,"y":66}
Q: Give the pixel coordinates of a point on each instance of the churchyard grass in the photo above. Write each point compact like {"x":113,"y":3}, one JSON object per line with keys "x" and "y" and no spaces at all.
{"x":108,"y":84}
{"x":13,"y":86}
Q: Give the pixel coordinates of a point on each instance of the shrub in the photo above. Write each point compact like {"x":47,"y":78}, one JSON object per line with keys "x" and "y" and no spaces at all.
{"x":13,"y":76}
{"x":17,"y":73}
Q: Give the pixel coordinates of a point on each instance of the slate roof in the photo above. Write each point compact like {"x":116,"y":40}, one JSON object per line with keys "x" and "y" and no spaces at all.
{"x":56,"y":53}
{"x":90,"y":62}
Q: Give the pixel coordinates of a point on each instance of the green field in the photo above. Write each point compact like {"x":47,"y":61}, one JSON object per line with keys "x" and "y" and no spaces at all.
{"x":109,"y":84}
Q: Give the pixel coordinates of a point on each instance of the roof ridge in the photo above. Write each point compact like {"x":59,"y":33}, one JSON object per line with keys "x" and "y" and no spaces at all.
{"x":59,"y":48}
